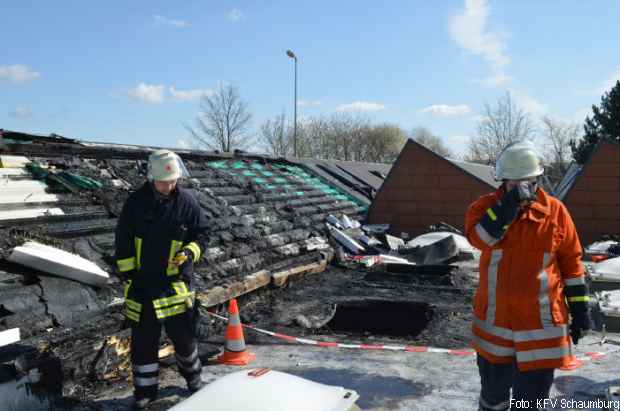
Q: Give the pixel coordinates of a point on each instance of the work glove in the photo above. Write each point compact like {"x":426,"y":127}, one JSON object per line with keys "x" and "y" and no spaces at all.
{"x":184,"y":259}
{"x":499,"y":216}
{"x":581,"y":320}
{"x":579,"y":326}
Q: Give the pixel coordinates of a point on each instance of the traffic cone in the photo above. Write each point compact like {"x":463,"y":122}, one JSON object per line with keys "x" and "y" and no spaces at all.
{"x":235,"y":352}
{"x":573,"y":362}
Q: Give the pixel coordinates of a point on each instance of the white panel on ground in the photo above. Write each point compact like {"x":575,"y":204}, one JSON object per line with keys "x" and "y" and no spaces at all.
{"x":609,"y":302}
{"x":599,"y":247}
{"x":272,"y":391}
{"x":29,"y":213}
{"x":13,"y":198}
{"x":9,"y":336}
{"x":13,"y":161}
{"x":27,"y":186}
{"x":58,"y":262}
{"x":430,"y":238}
{"x":4,"y":172}
{"x":606,"y":270}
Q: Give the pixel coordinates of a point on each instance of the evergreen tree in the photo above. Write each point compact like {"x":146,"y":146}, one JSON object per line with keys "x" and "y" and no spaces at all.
{"x":604,"y":123}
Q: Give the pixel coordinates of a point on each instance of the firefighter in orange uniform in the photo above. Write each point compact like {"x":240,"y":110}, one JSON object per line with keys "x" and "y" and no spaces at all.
{"x":531,"y":277}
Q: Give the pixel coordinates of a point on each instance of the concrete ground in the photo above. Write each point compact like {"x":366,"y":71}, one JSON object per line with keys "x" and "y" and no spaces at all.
{"x":388,"y":380}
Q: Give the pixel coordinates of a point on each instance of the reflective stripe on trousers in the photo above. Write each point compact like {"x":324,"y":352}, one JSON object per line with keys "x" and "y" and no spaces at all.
{"x":547,"y":332}
{"x":190,"y":364}
{"x":145,"y":375}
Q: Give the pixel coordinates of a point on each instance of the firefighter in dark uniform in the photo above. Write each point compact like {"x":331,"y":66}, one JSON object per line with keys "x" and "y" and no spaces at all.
{"x":161,"y":233}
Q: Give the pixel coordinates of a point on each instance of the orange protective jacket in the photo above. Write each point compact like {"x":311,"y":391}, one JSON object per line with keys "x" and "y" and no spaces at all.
{"x":520,"y":310}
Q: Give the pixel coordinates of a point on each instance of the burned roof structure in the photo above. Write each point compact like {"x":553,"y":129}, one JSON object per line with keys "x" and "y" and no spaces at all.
{"x":591,"y":192}
{"x":423,"y":188}
{"x":266,"y":223}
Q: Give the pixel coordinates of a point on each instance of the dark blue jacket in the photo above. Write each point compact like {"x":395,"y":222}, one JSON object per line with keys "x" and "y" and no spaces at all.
{"x":151,"y":230}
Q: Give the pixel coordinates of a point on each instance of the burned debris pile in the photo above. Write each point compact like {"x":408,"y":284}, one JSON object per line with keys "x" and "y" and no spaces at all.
{"x":382,"y":289}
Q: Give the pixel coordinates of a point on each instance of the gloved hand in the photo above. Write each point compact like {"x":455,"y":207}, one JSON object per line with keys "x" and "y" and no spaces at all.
{"x":577,"y":296}
{"x":498,"y":217}
{"x":182,"y":257}
{"x":579,"y":326}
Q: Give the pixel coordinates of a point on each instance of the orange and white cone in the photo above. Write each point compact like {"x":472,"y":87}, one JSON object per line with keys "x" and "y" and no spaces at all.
{"x":235,"y":352}
{"x":573,"y":362}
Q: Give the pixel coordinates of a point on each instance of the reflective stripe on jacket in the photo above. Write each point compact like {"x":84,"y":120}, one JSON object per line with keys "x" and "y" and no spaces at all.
{"x":520,"y":309}
{"x":177,"y":303}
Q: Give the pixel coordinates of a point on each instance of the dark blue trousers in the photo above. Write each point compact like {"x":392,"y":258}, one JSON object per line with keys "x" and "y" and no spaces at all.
{"x":496,"y":380}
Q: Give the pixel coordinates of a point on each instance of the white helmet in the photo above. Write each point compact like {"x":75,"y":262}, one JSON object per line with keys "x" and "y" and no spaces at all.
{"x":517,"y":161}
{"x":165,"y":165}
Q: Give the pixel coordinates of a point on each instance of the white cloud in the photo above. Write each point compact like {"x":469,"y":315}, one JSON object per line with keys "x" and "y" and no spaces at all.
{"x":528,"y":103}
{"x":21,"y":113}
{"x":148,"y":93}
{"x":18,"y":73}
{"x":189,"y":95}
{"x":447,"y":110}
{"x":495,"y":80}
{"x":361,"y":106}
{"x":184,"y":144}
{"x":309,"y":103}
{"x":470,"y":31}
{"x":170,"y":22}
{"x":235,"y":15}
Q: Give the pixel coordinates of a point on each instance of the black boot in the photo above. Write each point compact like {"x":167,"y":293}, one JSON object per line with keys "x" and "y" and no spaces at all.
{"x":195,"y":384}
{"x":141,"y":403}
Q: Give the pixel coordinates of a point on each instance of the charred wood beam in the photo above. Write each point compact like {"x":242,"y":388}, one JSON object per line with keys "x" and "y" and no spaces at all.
{"x":80,"y":228}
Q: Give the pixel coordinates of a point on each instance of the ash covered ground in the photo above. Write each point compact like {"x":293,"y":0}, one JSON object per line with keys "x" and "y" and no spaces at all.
{"x":340,"y":304}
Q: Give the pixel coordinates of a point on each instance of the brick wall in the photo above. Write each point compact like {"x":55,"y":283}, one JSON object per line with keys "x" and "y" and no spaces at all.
{"x":423,"y":189}
{"x":594,"y":199}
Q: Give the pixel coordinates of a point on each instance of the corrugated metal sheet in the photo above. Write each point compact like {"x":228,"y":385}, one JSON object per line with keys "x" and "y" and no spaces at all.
{"x":561,"y":189}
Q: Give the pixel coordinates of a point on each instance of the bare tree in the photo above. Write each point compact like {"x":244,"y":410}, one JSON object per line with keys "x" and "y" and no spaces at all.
{"x":277,"y":136}
{"x":430,"y":140}
{"x":501,"y":124}
{"x":558,"y":135}
{"x":384,"y":143}
{"x":223,"y":122}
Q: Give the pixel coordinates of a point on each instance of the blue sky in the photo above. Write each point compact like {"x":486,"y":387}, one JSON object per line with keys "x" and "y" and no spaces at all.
{"x":131,"y":72}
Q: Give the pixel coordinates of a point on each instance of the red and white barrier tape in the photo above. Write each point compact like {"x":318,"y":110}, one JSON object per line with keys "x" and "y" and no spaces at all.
{"x":326,"y":344}
{"x":588,"y":356}
{"x":595,"y":355}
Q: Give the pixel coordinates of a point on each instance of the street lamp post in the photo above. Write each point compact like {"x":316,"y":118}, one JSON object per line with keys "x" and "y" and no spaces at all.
{"x":294,"y":57}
